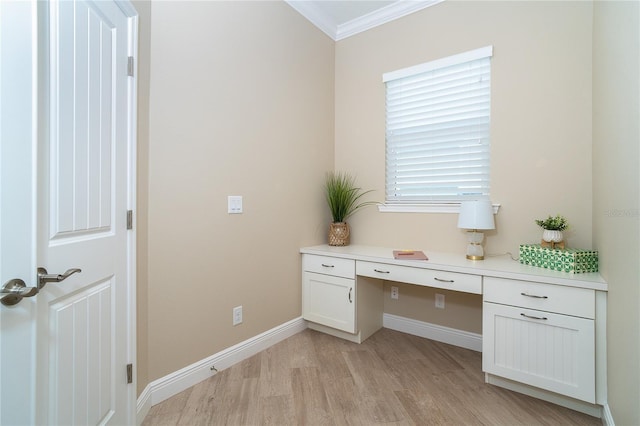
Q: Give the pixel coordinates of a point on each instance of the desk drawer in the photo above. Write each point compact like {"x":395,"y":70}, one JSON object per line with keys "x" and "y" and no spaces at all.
{"x":579,"y":302}
{"x":426,"y":277}
{"x":328,"y":265}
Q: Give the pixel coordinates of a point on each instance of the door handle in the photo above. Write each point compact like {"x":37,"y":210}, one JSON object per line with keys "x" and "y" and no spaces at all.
{"x":44,"y":277}
{"x":14,"y":290}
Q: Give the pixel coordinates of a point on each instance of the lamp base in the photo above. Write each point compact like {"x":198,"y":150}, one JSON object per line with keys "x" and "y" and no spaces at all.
{"x":474,"y":248}
{"x":474,"y":257}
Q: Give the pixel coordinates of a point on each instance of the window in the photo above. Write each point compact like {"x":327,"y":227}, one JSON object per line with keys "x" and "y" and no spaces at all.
{"x":437,"y":130}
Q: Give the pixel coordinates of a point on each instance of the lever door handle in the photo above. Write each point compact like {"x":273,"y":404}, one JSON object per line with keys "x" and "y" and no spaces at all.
{"x":14,"y":290}
{"x":44,"y":277}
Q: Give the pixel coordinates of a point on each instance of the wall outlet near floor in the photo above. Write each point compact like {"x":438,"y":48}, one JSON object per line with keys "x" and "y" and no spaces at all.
{"x":394,"y":292}
{"x":237,"y":315}
{"x":439,"y":301}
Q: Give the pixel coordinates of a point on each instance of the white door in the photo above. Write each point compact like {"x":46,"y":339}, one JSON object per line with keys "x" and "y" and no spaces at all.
{"x":83,"y":327}
{"x":17,"y":211}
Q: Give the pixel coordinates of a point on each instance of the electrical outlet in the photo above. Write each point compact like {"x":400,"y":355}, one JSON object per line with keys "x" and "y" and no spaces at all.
{"x":237,"y":315}
{"x":394,"y":292}
{"x":439,"y":301}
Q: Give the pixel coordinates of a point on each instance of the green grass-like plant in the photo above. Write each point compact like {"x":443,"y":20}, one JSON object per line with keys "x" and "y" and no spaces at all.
{"x":557,"y":223}
{"x":343,"y":196}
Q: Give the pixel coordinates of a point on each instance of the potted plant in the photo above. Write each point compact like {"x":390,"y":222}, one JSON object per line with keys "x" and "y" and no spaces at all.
{"x":553,"y":227}
{"x":344,"y":199}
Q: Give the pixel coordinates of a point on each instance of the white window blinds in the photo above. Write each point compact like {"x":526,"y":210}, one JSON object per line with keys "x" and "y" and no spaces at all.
{"x":437,"y":129}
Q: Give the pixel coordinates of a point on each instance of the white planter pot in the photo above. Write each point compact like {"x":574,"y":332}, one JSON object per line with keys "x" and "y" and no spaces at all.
{"x":552,"y":236}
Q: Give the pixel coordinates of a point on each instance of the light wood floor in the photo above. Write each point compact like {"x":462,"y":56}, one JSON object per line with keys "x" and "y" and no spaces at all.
{"x":391,"y":378}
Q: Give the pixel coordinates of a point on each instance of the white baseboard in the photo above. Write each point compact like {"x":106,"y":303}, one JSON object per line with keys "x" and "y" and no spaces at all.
{"x":607,"y":417}
{"x":144,"y":405}
{"x":174,"y":383}
{"x":439,"y":333}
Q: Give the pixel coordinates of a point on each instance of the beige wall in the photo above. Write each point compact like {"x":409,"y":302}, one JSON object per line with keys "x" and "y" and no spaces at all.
{"x":616,"y":206}
{"x":241,"y":103}
{"x":540,"y":127}
{"x":249,"y":82}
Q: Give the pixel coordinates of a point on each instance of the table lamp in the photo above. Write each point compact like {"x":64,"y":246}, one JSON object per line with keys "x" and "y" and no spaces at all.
{"x":475,"y":215}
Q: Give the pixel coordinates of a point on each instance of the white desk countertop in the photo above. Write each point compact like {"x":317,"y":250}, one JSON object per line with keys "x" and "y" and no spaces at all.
{"x":494,"y":266}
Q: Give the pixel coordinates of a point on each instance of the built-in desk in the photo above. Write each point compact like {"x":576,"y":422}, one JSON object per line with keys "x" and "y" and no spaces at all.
{"x":543,"y":331}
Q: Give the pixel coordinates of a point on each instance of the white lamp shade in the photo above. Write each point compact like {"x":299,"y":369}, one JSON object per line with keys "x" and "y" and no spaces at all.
{"x":476,"y":214}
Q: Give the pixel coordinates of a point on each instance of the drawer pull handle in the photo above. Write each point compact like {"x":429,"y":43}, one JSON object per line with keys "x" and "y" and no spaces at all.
{"x":534,"y":296}
{"x":327,"y":266}
{"x":350,"y":290}
{"x":381,"y":272}
{"x":535,"y":318}
{"x":443,"y":281}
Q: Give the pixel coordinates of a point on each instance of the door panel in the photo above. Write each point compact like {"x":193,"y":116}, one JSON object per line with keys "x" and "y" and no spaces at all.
{"x":84,"y":323}
{"x":83,"y":126}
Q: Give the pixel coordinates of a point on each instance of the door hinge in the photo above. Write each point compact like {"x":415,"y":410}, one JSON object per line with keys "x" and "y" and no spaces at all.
{"x":129,"y":219}
{"x":130,"y":66}
{"x":129,"y":373}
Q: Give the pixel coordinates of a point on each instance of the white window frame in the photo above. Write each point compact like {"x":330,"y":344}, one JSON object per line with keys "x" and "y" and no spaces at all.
{"x":431,"y":205}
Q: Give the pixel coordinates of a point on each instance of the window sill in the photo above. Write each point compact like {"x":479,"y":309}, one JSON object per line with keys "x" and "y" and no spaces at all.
{"x":425,"y":208}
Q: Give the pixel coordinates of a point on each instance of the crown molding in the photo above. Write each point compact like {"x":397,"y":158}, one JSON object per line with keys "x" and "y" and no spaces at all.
{"x":316,"y":16}
{"x":381,"y":16}
{"x":378,"y":17}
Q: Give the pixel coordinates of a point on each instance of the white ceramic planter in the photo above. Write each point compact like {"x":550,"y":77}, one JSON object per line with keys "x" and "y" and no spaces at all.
{"x":552,"y":236}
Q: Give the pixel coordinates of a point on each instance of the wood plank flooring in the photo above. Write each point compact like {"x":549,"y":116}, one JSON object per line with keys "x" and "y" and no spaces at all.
{"x":391,"y":379}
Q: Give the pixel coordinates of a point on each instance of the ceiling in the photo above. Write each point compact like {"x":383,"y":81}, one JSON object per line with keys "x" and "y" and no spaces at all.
{"x":343,"y":18}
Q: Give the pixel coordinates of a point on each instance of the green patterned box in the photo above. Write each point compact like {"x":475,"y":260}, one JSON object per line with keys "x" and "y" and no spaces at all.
{"x":575,"y":261}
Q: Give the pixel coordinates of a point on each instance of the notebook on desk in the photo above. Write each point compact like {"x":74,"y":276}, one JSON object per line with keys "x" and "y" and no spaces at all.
{"x":409,"y":255}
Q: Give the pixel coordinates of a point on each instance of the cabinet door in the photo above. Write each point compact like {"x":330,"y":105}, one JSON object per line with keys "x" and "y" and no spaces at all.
{"x":329,"y":301}
{"x":549,"y":351}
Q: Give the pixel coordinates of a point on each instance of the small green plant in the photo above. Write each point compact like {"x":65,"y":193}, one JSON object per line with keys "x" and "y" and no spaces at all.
{"x":557,"y":223}
{"x":343,"y":196}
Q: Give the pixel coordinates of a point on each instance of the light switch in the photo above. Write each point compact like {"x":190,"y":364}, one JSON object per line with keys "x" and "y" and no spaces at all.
{"x":234,"y":204}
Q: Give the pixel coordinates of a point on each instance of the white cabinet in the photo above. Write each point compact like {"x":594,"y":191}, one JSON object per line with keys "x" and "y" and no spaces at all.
{"x":329,"y":300}
{"x":544,"y":332}
{"x":335,"y":302}
{"x":542,"y":335}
